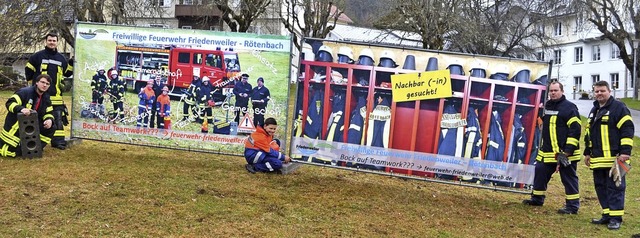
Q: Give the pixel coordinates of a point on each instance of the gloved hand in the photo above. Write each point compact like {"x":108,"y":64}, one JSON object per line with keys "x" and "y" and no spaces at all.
{"x":563,"y":159}
{"x":614,"y":173}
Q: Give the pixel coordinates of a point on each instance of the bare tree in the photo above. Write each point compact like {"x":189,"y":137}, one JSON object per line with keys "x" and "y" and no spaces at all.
{"x":433,"y":20}
{"x":311,"y":18}
{"x":239,"y":15}
{"x":619,"y":22}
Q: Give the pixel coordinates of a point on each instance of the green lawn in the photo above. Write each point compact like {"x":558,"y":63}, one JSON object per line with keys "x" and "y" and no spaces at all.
{"x":631,"y":103}
{"x":114,"y":190}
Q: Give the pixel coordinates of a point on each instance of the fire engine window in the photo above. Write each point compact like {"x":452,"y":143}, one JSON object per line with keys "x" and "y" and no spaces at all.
{"x":197,"y":58}
{"x":213,"y":61}
{"x":183,"y":57}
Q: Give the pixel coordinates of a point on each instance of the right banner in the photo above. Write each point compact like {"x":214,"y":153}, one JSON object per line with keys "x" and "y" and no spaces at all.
{"x":434,"y":115}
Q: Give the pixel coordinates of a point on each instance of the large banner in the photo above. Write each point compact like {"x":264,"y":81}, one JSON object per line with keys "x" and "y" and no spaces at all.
{"x":433,"y":115}
{"x":174,"y":88}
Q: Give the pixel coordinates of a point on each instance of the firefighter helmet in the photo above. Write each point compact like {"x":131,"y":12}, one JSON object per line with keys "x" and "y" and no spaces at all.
{"x":307,"y":52}
{"x":542,"y":78}
{"x":523,"y":75}
{"x":114,"y":72}
{"x":366,"y":57}
{"x":478,"y":69}
{"x":205,"y":79}
{"x":101,"y":68}
{"x":409,"y":62}
{"x":345,"y":55}
{"x":501,"y":72}
{"x":387,"y":59}
{"x":456,"y":67}
{"x":432,"y":64}
{"x":165,"y":88}
{"x":325,"y":54}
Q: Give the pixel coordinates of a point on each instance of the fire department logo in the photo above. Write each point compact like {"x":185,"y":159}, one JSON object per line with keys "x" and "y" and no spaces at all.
{"x":91,"y":34}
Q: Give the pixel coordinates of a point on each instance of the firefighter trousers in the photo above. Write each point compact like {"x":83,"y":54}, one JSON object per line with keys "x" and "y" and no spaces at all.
{"x":569,"y":179}
{"x":611,"y":198}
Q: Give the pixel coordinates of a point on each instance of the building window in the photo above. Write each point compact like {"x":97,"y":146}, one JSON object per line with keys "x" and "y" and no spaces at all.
{"x":615,"y":80}
{"x":595,"y":53}
{"x":557,"y":57}
{"x":595,"y":78}
{"x":615,"y":51}
{"x":557,"y":29}
{"x":577,"y":81}
{"x":540,"y":56}
{"x":578,"y":55}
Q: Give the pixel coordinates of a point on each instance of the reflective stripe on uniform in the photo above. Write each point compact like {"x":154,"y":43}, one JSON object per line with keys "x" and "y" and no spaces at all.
{"x":626,"y":141}
{"x":616,"y":213}
{"x":538,"y":192}
{"x":45,"y":139}
{"x":4,"y":151}
{"x":604,"y":137}
{"x":256,"y":158}
{"x":573,"y":120}
{"x":623,"y":120}
{"x":553,"y":134}
{"x":573,"y":196}
{"x":58,"y":133}
{"x":31,"y":67}
{"x":605,"y":211}
{"x":572,"y":141}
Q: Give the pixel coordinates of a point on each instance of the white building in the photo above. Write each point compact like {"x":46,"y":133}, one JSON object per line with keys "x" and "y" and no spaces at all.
{"x":581,"y":56}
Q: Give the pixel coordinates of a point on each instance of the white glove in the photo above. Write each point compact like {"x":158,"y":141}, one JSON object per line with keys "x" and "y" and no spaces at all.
{"x":614,"y":173}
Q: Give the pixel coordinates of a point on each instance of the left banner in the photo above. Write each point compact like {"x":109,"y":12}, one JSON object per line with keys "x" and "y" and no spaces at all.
{"x":174,"y":88}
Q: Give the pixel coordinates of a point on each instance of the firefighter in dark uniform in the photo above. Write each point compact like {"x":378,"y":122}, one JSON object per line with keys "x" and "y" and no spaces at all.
{"x":25,"y":101}
{"x":242,"y":91}
{"x":204,"y":98}
{"x":560,"y":134}
{"x":259,"y":98}
{"x":116,"y":93}
{"x":98,"y":88}
{"x":189,"y":98}
{"x":608,"y":140}
{"x":52,"y":63}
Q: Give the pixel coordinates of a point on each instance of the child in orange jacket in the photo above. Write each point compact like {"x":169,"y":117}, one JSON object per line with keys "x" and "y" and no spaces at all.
{"x":262,"y":151}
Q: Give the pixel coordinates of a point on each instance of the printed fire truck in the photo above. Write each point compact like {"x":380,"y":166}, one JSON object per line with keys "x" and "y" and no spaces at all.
{"x":176,"y":65}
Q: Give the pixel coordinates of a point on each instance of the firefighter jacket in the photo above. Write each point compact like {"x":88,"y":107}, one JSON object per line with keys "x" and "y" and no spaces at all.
{"x":147,"y":96}
{"x":336,"y":120}
{"x":204,"y":93}
{"x":313,"y":124}
{"x":26,"y":97}
{"x":191,"y":91}
{"x":157,"y":87}
{"x":495,"y":148}
{"x":560,"y":131}
{"x":99,"y":83}
{"x":379,"y":125}
{"x":242,"y":88}
{"x":356,"y":124}
{"x":518,"y":149}
{"x":451,"y":133}
{"x":260,"y":93}
{"x":609,"y":133}
{"x":297,"y":125}
{"x":51,"y":63}
{"x":258,"y":146}
{"x":116,"y":89}
{"x":163,"y":105}
{"x":473,"y":136}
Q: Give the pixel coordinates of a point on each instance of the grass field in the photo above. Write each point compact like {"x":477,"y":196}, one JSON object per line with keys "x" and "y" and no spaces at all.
{"x":631,"y":103}
{"x":114,"y":190}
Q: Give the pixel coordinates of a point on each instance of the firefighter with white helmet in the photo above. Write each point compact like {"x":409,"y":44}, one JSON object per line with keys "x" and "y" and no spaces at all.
{"x":204,"y":96}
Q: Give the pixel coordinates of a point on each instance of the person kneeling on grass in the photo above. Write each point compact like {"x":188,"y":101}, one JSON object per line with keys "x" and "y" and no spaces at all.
{"x":262,"y":151}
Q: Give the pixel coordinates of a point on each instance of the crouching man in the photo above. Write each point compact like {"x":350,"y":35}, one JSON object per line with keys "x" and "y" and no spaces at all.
{"x":25,"y":101}
{"x":261,"y":151}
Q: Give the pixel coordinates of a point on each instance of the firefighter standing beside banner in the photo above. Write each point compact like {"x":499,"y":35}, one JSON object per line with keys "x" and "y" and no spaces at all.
{"x":190,"y":98}
{"x":52,"y":63}
{"x":259,"y":98}
{"x":608,"y":140}
{"x":25,"y":101}
{"x":242,"y":90}
{"x":204,"y":93}
{"x":559,"y":150}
